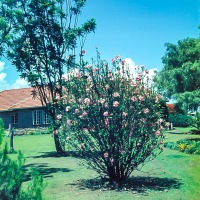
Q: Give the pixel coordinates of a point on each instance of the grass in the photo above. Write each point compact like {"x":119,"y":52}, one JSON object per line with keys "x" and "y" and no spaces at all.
{"x":171,"y":176}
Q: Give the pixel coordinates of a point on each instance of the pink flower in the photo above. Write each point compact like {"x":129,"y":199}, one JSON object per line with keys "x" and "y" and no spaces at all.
{"x":76,"y":110}
{"x":116,"y":94}
{"x":95,"y":70}
{"x":105,"y":155}
{"x":146,"y":110}
{"x":55,"y":132}
{"x":107,"y":87}
{"x":123,"y":62}
{"x":161,"y":128}
{"x":122,"y":151}
{"x":105,"y":114}
{"x":138,"y":79}
{"x":106,"y":121}
{"x":57,"y":97}
{"x":67,"y":108}
{"x":67,"y":57}
{"x":59,"y":116}
{"x":157,"y":99}
{"x":167,"y":124}
{"x":102,"y":101}
{"x":109,"y":74}
{"x":83,"y":52}
{"x":84,"y":113}
{"x":106,"y":105}
{"x":133,"y":84}
{"x":157,"y":133}
{"x":68,"y":121}
{"x":117,"y":57}
{"x":113,"y":60}
{"x":141,"y":98}
{"x":124,"y":114}
{"x":134,"y":98}
{"x":79,"y":75}
{"x":64,"y":78}
{"x":89,"y":79}
{"x":85,"y":129}
{"x":160,"y":121}
{"x":115,"y":104}
{"x":87,"y":101}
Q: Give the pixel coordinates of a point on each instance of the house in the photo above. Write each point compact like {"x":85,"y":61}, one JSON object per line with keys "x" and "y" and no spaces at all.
{"x":18,"y":108}
{"x":171,"y":108}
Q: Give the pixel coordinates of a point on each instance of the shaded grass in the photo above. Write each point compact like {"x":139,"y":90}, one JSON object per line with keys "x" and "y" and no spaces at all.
{"x":172,"y":175}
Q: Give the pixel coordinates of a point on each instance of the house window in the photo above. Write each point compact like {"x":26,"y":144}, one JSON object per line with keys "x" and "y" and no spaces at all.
{"x":46,"y":118}
{"x":14,"y":118}
{"x":36,"y":117}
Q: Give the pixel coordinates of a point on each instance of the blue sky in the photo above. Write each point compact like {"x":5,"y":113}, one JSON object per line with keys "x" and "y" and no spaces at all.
{"x":136,"y":29}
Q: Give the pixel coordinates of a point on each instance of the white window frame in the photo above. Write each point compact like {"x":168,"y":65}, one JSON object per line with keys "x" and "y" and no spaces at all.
{"x":14,"y":118}
{"x":37,"y":114}
{"x":46,"y":118}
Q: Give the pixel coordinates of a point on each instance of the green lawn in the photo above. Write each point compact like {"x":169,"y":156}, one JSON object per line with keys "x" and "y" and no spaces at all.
{"x":172,"y":175}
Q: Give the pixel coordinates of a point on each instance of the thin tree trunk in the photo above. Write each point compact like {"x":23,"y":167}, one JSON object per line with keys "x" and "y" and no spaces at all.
{"x":11,"y":134}
{"x":58,"y":145}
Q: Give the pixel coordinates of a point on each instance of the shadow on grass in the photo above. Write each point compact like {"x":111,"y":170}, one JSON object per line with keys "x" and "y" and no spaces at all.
{"x":43,"y":170}
{"x":53,"y":154}
{"x":137,"y":184}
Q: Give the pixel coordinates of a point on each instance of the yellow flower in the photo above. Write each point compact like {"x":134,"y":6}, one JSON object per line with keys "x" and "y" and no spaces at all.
{"x":182,"y":147}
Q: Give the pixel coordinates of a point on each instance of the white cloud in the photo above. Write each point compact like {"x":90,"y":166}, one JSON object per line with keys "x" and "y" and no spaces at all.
{"x":2,"y":65}
{"x":2,"y":76}
{"x":131,"y":65}
{"x":19,"y":83}
{"x":4,"y":85}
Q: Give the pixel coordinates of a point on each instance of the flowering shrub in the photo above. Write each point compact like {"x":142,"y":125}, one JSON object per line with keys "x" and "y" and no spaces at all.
{"x":114,"y":118}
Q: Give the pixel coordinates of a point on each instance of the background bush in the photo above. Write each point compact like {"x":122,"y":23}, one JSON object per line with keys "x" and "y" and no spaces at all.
{"x":180,"y":120}
{"x":190,"y":146}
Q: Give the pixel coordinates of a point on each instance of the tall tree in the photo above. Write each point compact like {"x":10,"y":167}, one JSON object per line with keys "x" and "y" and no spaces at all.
{"x":180,"y":77}
{"x":42,"y":44}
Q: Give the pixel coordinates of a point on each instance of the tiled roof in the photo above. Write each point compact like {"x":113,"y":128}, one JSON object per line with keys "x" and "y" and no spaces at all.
{"x":171,"y":108}
{"x":18,"y":99}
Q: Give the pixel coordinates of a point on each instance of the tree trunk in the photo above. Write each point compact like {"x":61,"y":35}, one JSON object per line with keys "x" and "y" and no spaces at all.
{"x":11,"y":134}
{"x":58,"y":145}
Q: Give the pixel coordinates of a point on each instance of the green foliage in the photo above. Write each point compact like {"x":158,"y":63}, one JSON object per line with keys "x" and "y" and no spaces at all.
{"x":180,"y":77}
{"x":11,"y":178}
{"x":180,"y":120}
{"x":196,"y":122}
{"x":1,"y":130}
{"x":190,"y":146}
{"x":34,"y":189}
{"x":112,"y":118}
{"x":10,"y":175}
{"x":42,"y":34}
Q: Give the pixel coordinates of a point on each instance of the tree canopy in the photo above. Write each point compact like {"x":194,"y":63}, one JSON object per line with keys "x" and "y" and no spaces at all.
{"x":41,"y":38}
{"x":180,"y":77}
